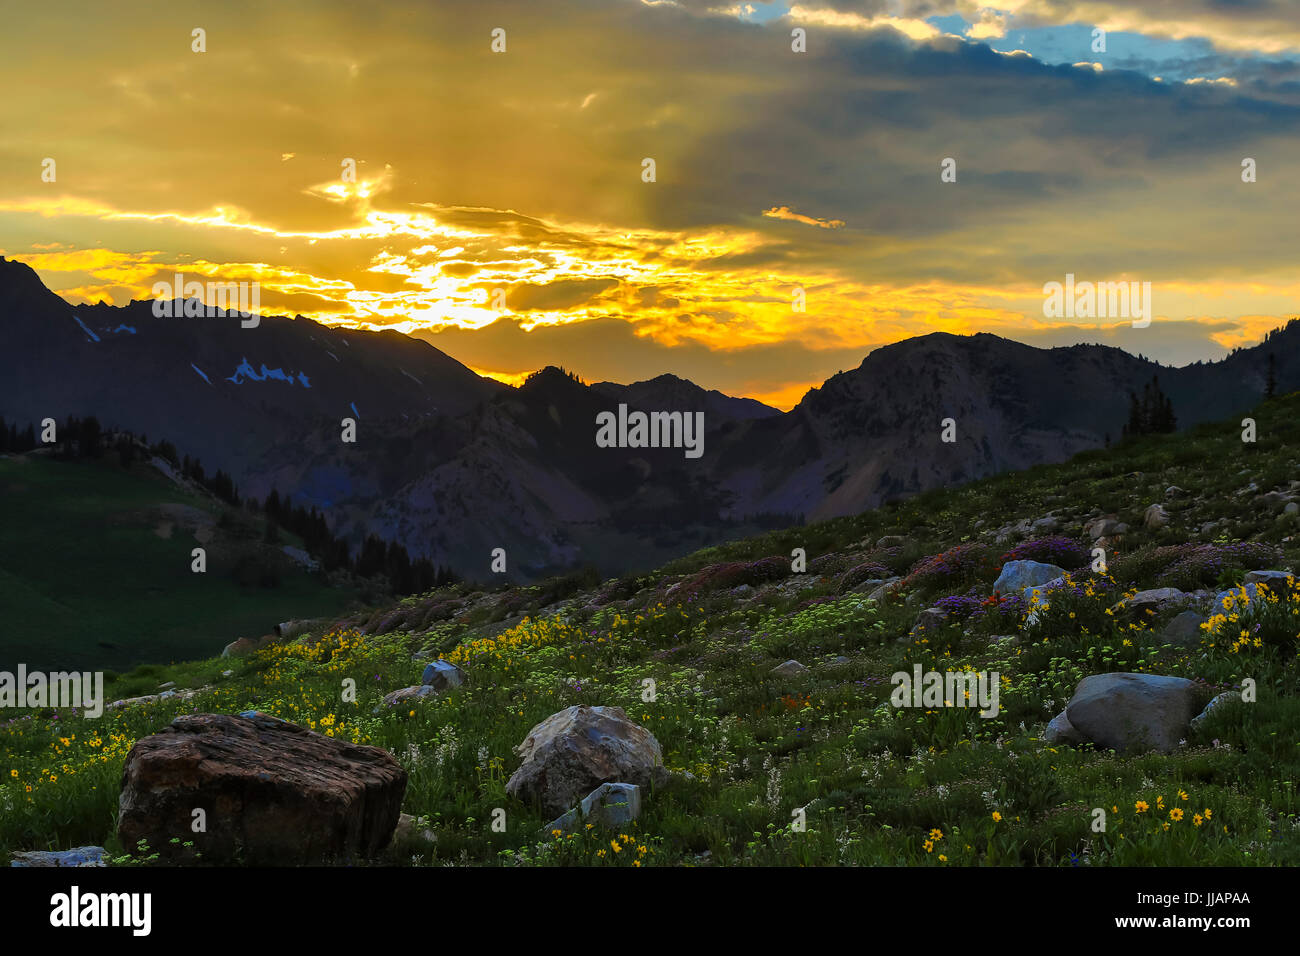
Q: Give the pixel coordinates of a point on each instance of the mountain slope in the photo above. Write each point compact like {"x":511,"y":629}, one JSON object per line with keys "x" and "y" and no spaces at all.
{"x":453,"y":465}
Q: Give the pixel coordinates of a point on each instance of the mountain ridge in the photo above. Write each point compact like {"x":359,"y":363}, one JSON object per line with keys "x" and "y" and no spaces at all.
{"x":454,"y":465}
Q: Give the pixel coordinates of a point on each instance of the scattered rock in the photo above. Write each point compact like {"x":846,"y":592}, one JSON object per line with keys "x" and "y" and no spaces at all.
{"x":789,"y":669}
{"x":288,"y":630}
{"x":1153,"y":599}
{"x":408,"y":833}
{"x":1219,"y":701}
{"x":1155,"y":517}
{"x":443,"y":675}
{"x":1184,"y":630}
{"x":80,"y":856}
{"x":406,"y":695}
{"x":1274,"y":579}
{"x":1132,"y":713}
{"x":1060,"y":730}
{"x":1018,"y":575}
{"x":884,"y":590}
{"x":247,"y":645}
{"x":1104,"y":527}
{"x":930,"y":619}
{"x":611,"y":805}
{"x":574,"y":751}
{"x":273,"y":792}
{"x":1234,"y":598}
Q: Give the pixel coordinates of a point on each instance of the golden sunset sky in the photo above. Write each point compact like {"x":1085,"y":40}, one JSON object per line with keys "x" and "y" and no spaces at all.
{"x":521,"y":171}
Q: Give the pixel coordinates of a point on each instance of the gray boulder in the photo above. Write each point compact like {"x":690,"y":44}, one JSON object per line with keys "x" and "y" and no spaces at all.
{"x":1184,"y":630}
{"x":572,"y":752}
{"x":612,"y":805}
{"x":1235,"y":598}
{"x":1274,"y":579}
{"x":443,"y":675}
{"x":1018,"y":575}
{"x":1155,"y":517}
{"x":1133,"y":713}
{"x":789,"y":669}
{"x":1153,"y":599}
{"x":81,"y":856}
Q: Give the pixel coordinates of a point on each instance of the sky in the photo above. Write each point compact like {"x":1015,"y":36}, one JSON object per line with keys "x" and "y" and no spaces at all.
{"x":501,"y":208}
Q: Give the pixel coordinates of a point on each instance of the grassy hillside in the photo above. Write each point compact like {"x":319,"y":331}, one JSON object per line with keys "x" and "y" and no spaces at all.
{"x":95,"y":568}
{"x":879,"y":785}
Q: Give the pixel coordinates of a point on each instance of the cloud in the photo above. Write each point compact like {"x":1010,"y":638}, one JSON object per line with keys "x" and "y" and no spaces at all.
{"x":521,"y":171}
{"x":784,"y":212}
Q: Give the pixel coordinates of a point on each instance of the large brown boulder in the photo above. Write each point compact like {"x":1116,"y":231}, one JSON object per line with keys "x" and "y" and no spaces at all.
{"x":571,"y":753}
{"x":271,"y":792}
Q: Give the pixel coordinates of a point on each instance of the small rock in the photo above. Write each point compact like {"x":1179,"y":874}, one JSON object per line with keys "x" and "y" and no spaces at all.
{"x":1274,"y":579}
{"x":789,"y":669}
{"x":1155,"y":517}
{"x":406,"y":695}
{"x":928,"y":620}
{"x":410,"y":833}
{"x":1219,"y":701}
{"x":81,"y":856}
{"x":890,"y":541}
{"x":884,"y":590}
{"x":1153,"y":599}
{"x":1235,"y":598}
{"x":613,"y":805}
{"x":1060,"y":730}
{"x":1184,"y":630}
{"x":443,"y":675}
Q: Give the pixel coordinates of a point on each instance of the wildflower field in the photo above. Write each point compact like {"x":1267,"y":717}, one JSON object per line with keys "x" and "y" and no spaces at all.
{"x":817,"y":768}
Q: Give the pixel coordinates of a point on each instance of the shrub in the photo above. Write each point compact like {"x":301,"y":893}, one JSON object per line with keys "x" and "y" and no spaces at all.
{"x":1268,"y":619}
{"x":867,"y":571}
{"x":1208,"y":564}
{"x":719,"y":577}
{"x":955,"y":567}
{"x":1058,"y":550}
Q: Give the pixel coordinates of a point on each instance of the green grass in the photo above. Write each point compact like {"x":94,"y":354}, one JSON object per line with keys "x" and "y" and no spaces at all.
{"x":86,"y":580}
{"x":877,"y":785}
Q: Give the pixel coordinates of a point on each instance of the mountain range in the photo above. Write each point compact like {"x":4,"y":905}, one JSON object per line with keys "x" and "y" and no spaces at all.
{"x":454,"y":465}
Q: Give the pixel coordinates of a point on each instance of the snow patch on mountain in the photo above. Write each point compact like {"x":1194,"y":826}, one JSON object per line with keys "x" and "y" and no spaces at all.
{"x":91,"y":336}
{"x":246,"y":372}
